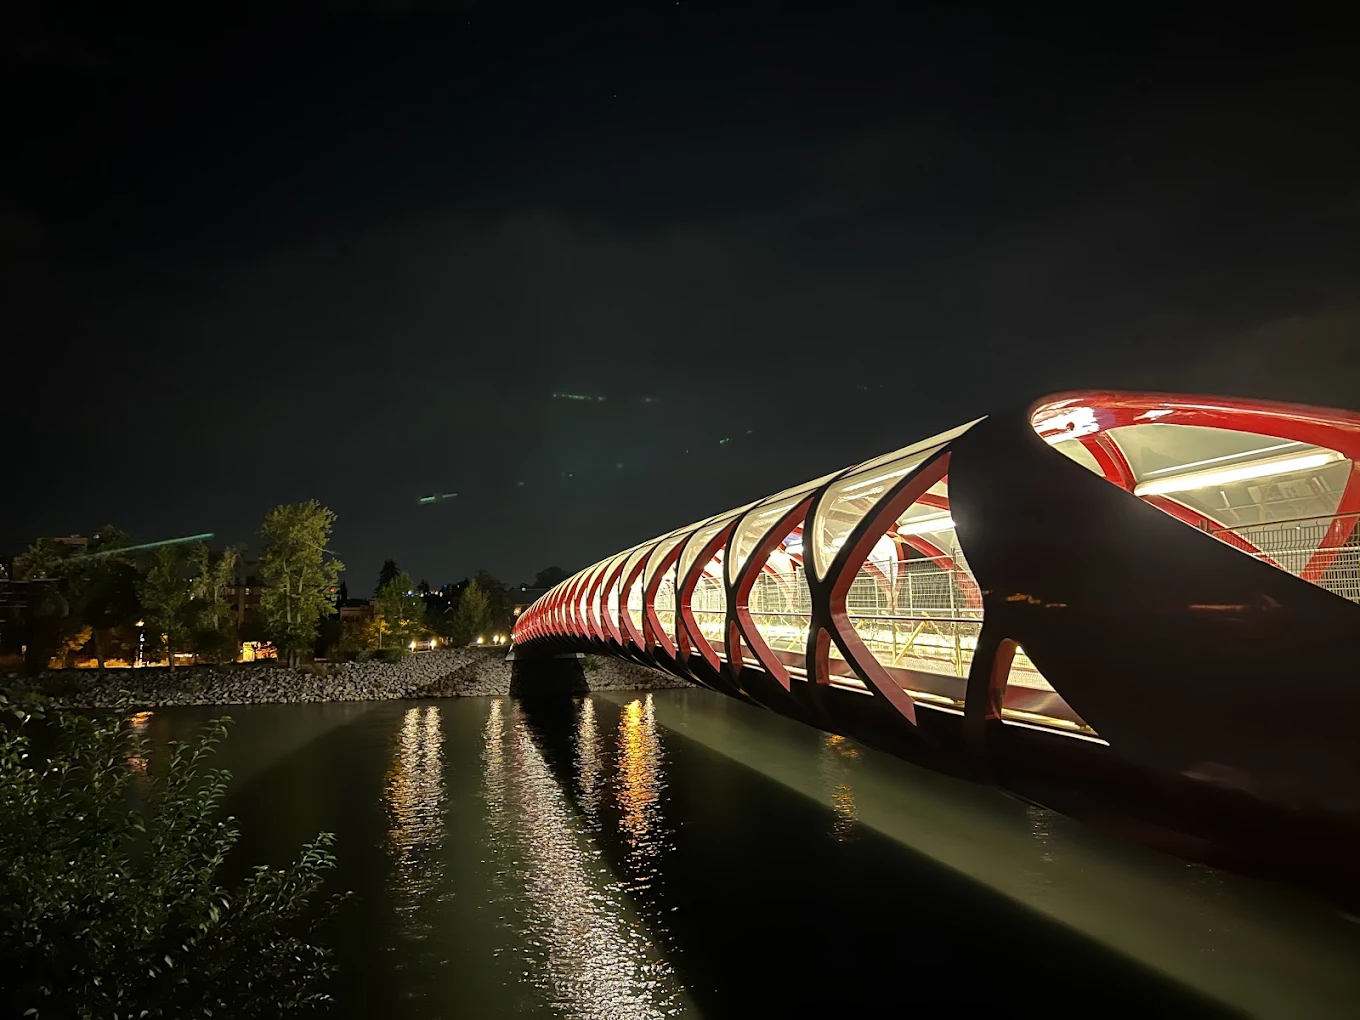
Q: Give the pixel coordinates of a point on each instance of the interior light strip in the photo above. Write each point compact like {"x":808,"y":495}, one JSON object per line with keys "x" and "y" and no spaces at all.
{"x":926,"y":525}
{"x":1240,"y":473}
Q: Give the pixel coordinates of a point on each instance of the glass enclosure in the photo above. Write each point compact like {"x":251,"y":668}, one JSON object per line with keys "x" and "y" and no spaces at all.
{"x":850,"y":499}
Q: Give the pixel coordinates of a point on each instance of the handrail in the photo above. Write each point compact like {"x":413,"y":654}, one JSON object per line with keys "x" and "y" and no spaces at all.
{"x":903,"y":619}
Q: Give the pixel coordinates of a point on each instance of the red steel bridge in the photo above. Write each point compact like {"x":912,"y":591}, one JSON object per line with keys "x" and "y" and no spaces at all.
{"x":1160,"y":589}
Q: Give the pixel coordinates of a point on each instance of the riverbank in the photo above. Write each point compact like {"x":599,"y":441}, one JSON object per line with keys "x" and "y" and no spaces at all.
{"x":448,"y":673}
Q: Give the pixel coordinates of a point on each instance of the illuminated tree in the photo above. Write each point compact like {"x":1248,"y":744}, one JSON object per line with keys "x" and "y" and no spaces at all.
{"x":164,"y":593}
{"x":300,"y":580}
{"x":401,"y":608}
{"x":91,"y":587}
{"x":215,"y":623}
{"x":470,"y":620}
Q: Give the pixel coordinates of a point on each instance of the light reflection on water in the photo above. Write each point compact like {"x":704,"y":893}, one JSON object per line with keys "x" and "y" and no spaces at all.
{"x":415,"y":805}
{"x":582,"y":949}
{"x":590,"y":760}
{"x":681,"y":790}
{"x":640,"y":780}
{"x":836,"y":754}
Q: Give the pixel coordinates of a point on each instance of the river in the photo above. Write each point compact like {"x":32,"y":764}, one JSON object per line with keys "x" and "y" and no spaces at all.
{"x":678,"y":853}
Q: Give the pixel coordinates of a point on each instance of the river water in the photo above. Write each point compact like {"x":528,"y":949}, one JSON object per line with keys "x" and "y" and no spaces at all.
{"x":678,"y":853}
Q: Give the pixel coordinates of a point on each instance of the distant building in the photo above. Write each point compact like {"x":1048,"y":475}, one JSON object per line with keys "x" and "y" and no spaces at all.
{"x":244,"y":597}
{"x":522,"y":597}
{"x":357,"y":610}
{"x":19,"y":599}
{"x":15,"y":602}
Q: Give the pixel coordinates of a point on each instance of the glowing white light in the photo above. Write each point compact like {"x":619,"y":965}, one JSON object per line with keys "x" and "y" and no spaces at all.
{"x":926,"y":525}
{"x":1240,"y":473}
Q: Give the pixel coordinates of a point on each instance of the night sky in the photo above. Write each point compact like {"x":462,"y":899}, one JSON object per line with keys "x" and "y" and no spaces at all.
{"x":351,"y":253}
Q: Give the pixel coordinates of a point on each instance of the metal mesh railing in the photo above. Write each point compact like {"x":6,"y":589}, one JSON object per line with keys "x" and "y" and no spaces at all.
{"x":926,"y":617}
{"x":1301,"y":545}
{"x":924,"y":585}
{"x":781,"y":607}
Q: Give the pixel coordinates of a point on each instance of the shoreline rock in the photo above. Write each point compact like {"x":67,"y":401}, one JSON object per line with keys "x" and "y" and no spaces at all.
{"x":447,"y":673}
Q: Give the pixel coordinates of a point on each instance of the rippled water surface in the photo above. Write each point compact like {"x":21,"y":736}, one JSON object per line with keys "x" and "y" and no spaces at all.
{"x":680,"y":854}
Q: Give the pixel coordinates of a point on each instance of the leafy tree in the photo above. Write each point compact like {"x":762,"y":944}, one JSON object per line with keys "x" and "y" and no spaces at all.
{"x":164,"y":593}
{"x":386,"y":576}
{"x":215,"y":623}
{"x":72,"y":642}
{"x":94,"y":587}
{"x":350,"y":641}
{"x":470,"y":619}
{"x":110,"y":901}
{"x":299,"y":581}
{"x":375,"y":630}
{"x":107,"y":581}
{"x":401,"y":609}
{"x":549,"y":576}
{"x":439,"y":610}
{"x":497,"y":601}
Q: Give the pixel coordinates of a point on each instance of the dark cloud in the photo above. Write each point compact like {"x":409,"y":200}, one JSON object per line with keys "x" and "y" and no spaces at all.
{"x":360,"y":270}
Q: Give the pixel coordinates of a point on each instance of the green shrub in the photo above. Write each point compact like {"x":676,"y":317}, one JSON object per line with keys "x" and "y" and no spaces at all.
{"x":110,"y":910}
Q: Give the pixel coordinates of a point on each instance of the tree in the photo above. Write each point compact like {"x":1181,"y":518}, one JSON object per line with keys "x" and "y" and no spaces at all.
{"x":164,"y":595}
{"x":470,"y":619}
{"x":299,"y":579}
{"x":386,"y":575}
{"x":107,"y":582}
{"x":497,"y":601}
{"x":439,"y":609}
{"x":549,"y":576}
{"x":402,"y":610}
{"x":215,"y":623}
{"x":350,"y":640}
{"x":91,"y":588}
{"x":110,"y":898}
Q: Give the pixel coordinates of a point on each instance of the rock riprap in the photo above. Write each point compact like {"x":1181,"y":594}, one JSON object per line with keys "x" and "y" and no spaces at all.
{"x":448,"y":673}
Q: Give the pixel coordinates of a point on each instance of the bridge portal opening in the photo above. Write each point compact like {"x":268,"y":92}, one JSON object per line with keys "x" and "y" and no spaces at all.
{"x":1280,"y":487}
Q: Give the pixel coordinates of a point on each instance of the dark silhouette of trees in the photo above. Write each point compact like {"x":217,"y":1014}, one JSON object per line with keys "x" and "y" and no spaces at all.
{"x":549,"y":576}
{"x":386,"y":576}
